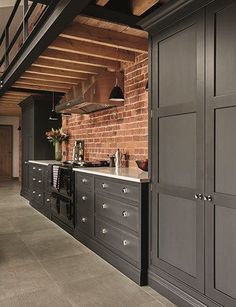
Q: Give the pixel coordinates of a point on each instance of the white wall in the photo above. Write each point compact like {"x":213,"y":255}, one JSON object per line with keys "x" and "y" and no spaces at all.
{"x":14,"y":121}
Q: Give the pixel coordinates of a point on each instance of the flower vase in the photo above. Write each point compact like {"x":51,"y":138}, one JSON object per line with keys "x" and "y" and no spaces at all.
{"x":58,"y":151}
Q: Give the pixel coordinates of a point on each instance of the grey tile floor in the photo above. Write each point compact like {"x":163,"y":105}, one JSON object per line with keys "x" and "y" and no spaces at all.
{"x":41,"y":265}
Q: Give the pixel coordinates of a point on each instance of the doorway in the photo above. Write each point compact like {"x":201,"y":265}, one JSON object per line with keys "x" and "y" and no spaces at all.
{"x":6,"y":140}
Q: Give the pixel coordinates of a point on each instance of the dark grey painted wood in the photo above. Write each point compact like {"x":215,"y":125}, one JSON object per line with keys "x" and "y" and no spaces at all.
{"x":220,"y":152}
{"x":178,"y":152}
{"x":177,"y":232}
{"x":119,"y":212}
{"x":119,"y":188}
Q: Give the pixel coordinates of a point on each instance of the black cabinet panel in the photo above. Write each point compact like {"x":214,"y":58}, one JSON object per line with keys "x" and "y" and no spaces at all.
{"x":35,"y":146}
{"x":220,"y":152}
{"x":178,"y":67}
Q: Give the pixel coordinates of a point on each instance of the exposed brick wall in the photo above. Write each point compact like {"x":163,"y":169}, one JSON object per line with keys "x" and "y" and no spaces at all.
{"x":123,"y":127}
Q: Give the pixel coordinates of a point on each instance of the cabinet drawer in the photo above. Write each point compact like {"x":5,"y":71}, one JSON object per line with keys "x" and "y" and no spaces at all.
{"x":85,"y":221}
{"x":121,"y":188}
{"x":84,"y":182}
{"x":121,"y":241}
{"x":117,"y":211}
{"x":84,"y":199}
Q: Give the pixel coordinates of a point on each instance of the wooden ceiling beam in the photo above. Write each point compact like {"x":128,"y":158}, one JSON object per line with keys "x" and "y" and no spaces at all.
{"x":139,"y":7}
{"x":66,"y":66}
{"x":51,"y":71}
{"x":21,"y":94}
{"x":74,"y":58}
{"x":45,"y":82}
{"x":54,"y":78}
{"x":39,"y":87}
{"x":102,"y":2}
{"x":86,"y":48}
{"x":105,"y":37}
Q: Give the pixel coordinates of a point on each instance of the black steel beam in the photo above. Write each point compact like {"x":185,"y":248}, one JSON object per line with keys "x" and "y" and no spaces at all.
{"x":58,"y":15}
{"x":108,"y":14}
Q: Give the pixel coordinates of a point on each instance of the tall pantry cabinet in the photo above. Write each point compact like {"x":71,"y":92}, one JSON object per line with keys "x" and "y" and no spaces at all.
{"x":193,"y":152}
{"x":35,"y":111}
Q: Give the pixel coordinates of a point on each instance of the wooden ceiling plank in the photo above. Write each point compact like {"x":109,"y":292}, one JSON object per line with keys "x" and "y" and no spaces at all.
{"x":66,"y":66}
{"x":54,"y":78}
{"x":35,"y":70}
{"x":105,"y":37}
{"x":39,"y":87}
{"x":102,"y":2}
{"x":45,"y":82}
{"x":79,"y":59}
{"x":139,"y":7}
{"x":86,"y":48}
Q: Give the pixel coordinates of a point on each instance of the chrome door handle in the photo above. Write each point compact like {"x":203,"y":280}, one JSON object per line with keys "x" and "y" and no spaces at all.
{"x":208,"y":198}
{"x":198,"y":196}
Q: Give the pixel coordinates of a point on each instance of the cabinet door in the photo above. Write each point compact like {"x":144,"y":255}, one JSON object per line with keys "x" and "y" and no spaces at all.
{"x":221,"y":152}
{"x":177,"y":218}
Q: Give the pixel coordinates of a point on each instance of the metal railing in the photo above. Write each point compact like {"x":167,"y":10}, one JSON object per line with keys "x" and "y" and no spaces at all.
{"x":30,"y":9}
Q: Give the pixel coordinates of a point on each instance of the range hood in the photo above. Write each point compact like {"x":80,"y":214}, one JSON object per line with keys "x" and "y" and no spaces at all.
{"x":91,"y":95}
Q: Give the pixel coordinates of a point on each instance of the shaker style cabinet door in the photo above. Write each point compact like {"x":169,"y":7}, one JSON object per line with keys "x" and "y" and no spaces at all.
{"x":177,"y":212}
{"x":221,"y":152}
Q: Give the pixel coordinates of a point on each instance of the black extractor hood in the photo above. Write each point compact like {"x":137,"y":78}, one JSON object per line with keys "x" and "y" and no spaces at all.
{"x":92,"y":95}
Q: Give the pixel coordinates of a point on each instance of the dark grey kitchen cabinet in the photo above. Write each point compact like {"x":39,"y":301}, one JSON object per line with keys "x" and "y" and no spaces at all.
{"x":111,"y":219}
{"x":220,"y":152}
{"x":39,"y":188}
{"x":192,"y":151}
{"x":35,"y":122}
{"x":177,"y":237}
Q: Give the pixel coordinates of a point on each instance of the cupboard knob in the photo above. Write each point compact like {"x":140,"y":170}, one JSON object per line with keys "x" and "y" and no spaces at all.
{"x":125,"y":190}
{"x":39,"y":181}
{"x":48,"y":199}
{"x":40,"y":195}
{"x":84,"y":180}
{"x":104,"y":230}
{"x":83,"y":220}
{"x":34,"y":192}
{"x":26,"y":162}
{"x":34,"y":168}
{"x":34,"y":179}
{"x":198,"y":196}
{"x":125,"y":242}
{"x":40,"y":169}
{"x":125,"y":213}
{"x":84,"y":197}
{"x":208,"y":198}
{"x":104,"y":206}
{"x":104,"y":185}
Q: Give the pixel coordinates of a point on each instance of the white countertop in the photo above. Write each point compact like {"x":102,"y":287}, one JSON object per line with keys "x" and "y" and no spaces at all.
{"x":130,"y":174}
{"x":44,"y":162}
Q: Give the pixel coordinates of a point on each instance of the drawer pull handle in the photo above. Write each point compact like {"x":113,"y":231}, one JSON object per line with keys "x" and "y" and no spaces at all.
{"x":34,"y":192}
{"x":39,"y":181}
{"x":40,"y":195}
{"x":34,"y":179}
{"x":40,"y":169}
{"x":125,"y":190}
{"x":83,"y":220}
{"x":125,"y":213}
{"x":104,"y":231}
{"x":125,"y":242}
{"x":84,"y":198}
{"x":84,"y":180}
{"x":104,"y":206}
{"x":208,"y":198}
{"x":104,"y":185}
{"x":48,"y":200}
{"x":34,"y":168}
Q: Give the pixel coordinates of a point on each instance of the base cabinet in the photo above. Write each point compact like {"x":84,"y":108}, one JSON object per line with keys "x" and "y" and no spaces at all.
{"x":111,"y":219}
{"x":193,"y":145}
{"x":39,"y":189}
